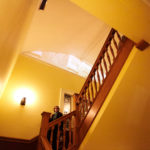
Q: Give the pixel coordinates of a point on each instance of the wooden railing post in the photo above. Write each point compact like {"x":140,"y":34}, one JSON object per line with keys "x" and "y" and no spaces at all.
{"x":44,"y":128}
{"x":44,"y":123}
{"x":76,"y":122}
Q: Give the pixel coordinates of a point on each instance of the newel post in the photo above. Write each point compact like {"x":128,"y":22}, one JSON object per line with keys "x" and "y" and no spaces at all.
{"x":76,"y":123}
{"x":44,"y":128}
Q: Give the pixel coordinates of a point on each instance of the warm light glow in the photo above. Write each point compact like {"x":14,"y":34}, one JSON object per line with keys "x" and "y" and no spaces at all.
{"x":24,"y":92}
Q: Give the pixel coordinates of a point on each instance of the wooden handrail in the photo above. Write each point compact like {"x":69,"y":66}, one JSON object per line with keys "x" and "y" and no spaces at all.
{"x":53,"y":123}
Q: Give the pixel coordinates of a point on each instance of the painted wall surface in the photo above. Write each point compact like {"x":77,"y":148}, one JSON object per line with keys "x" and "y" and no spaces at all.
{"x":44,"y":81}
{"x":15,"y":17}
{"x":123,"y":123}
{"x":130,"y":17}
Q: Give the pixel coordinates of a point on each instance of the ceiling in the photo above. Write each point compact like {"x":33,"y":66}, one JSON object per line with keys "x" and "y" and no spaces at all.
{"x":130,"y":17}
{"x":63,"y":27}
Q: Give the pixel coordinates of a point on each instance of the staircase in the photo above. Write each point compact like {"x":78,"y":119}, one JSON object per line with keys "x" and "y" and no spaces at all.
{"x":91,"y":97}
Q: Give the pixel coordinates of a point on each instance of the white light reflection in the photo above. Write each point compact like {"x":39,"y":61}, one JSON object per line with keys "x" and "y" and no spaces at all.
{"x":24,"y":92}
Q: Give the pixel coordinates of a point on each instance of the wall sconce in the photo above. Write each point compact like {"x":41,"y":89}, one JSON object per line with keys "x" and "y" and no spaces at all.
{"x":24,"y":96}
{"x":23,"y":101}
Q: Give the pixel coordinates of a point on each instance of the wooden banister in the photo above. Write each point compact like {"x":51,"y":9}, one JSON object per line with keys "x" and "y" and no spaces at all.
{"x":91,"y":97}
{"x":99,"y":72}
{"x":100,"y":80}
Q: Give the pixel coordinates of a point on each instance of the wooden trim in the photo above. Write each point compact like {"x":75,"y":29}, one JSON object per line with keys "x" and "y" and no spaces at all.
{"x":16,"y":140}
{"x":142,"y":45}
{"x":112,"y":75}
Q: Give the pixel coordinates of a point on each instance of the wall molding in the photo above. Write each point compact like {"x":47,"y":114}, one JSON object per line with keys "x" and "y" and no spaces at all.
{"x":8,"y":143}
{"x":16,"y":140}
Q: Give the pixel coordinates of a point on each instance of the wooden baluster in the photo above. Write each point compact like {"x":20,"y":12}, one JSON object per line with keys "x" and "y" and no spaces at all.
{"x":70,"y":131}
{"x":89,"y":94}
{"x":77,"y":122}
{"x":79,"y":113}
{"x":75,"y":100}
{"x":115,"y":43}
{"x":58,"y":135}
{"x":95,"y":84}
{"x":105,"y":65}
{"x":118,"y":35}
{"x":64,"y":135}
{"x":92,"y":92}
{"x":74,"y":132}
{"x":82,"y":108}
{"x":102,"y":73}
{"x":98,"y":77}
{"x":120,"y":40}
{"x":79,"y":110}
{"x":52,"y":132}
{"x":83,"y":105}
{"x":108,"y":57}
{"x":112,"y":52}
{"x":86,"y":102}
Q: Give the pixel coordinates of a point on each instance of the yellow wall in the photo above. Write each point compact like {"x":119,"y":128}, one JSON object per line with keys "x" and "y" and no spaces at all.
{"x":123,"y":123}
{"x":45,"y":81}
{"x":15,"y":17}
{"x":130,"y":17}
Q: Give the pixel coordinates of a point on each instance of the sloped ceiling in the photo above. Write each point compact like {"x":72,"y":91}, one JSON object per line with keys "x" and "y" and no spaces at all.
{"x":66,"y":28}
